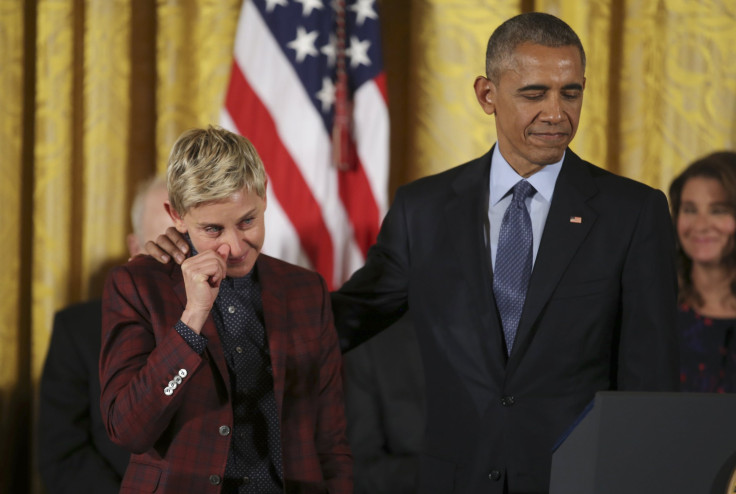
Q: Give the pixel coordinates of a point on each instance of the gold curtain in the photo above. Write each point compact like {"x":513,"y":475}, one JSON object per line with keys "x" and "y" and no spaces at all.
{"x":94,"y":92}
{"x":661,"y":82}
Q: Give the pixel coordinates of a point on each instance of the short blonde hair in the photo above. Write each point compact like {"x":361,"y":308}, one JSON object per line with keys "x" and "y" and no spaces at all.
{"x":211,"y":164}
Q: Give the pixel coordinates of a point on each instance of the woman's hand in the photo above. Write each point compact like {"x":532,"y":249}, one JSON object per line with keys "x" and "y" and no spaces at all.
{"x":203,"y":274}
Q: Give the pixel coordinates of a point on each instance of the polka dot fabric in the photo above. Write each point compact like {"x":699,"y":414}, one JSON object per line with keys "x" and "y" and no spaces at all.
{"x":196,"y":341}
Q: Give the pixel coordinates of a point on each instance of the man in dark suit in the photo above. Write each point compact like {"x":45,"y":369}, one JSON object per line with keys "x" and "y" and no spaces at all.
{"x":520,"y":322}
{"x":384,"y":403}
{"x":222,"y":374}
{"x":600,"y":289}
{"x":74,"y":453}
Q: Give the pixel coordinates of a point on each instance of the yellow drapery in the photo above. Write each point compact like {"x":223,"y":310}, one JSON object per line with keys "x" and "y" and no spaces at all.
{"x":94,"y":92}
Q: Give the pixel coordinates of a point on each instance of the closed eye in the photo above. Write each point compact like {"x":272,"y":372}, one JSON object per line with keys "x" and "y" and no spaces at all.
{"x":533,"y":96}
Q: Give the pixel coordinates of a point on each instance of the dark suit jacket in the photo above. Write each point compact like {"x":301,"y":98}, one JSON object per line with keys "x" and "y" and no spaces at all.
{"x":599,"y":315}
{"x":74,"y":453}
{"x":178,"y":441}
{"x":384,"y":402}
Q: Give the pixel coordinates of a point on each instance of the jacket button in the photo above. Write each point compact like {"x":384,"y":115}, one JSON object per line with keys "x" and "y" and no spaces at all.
{"x":182,"y":373}
{"x":507,"y":401}
{"x":495,"y":475}
{"x":215,"y":479}
{"x":224,"y":430}
{"x":168,"y":391}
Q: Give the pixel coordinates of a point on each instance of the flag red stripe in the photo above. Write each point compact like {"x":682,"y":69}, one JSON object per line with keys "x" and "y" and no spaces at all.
{"x":361,"y":207}
{"x":380,"y":81}
{"x":254,"y":121}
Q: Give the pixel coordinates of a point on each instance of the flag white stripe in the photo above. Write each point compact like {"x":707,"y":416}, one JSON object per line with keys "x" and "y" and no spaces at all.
{"x":372,"y":136}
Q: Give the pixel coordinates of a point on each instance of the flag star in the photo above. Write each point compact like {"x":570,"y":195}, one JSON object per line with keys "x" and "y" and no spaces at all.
{"x":330,"y":50}
{"x":309,"y":5}
{"x":303,"y":44}
{"x":271,"y":4}
{"x":364,"y":10}
{"x":327,"y":94}
{"x":358,"y":52}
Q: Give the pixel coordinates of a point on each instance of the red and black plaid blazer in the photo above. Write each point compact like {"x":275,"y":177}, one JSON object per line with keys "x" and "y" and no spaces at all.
{"x":178,"y":441}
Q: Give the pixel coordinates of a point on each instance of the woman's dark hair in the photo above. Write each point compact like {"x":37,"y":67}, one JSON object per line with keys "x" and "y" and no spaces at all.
{"x":720,"y":166}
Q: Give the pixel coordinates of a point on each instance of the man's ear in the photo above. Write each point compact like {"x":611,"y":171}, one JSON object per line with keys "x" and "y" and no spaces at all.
{"x":485,"y":91}
{"x":178,"y":222}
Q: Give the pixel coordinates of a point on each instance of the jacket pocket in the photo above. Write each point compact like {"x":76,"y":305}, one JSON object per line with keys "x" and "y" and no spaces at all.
{"x":581,"y":289}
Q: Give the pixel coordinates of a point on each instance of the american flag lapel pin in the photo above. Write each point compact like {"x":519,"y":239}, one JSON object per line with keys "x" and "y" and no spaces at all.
{"x":576,"y":219}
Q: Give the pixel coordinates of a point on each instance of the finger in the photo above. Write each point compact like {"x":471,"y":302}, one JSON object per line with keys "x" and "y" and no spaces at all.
{"x":206,"y":266}
{"x":165,"y":246}
{"x":155,"y":251}
{"x":201,"y":278}
{"x":222,"y":268}
{"x":178,"y":239}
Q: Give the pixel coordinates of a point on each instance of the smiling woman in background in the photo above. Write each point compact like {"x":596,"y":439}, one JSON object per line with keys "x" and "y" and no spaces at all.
{"x":703,"y":200}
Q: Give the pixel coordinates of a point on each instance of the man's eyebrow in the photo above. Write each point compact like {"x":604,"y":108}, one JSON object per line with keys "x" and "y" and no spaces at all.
{"x":533,"y":87}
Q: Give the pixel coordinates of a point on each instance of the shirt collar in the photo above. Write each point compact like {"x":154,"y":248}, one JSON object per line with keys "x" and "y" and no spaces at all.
{"x":503,"y":178}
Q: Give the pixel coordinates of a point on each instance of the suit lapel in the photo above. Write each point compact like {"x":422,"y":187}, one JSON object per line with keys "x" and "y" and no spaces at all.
{"x":568,"y":223}
{"x":274,"y":319}
{"x":467,"y":211}
{"x":209,"y":331}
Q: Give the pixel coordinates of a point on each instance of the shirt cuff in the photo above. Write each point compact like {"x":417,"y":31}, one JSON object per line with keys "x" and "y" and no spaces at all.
{"x":196,"y":341}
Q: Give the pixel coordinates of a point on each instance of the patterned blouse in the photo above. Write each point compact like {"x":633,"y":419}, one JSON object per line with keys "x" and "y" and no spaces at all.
{"x":707,"y":352}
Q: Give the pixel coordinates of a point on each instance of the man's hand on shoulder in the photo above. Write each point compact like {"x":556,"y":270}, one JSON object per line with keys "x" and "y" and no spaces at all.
{"x":167,"y":246}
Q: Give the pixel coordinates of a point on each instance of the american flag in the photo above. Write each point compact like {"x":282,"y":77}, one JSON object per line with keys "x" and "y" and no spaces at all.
{"x":299,"y":66}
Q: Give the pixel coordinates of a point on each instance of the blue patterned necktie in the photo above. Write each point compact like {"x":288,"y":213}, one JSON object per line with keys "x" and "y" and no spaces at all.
{"x":513,"y":266}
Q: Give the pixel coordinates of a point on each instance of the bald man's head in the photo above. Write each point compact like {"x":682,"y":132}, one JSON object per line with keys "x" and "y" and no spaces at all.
{"x":148,"y":215}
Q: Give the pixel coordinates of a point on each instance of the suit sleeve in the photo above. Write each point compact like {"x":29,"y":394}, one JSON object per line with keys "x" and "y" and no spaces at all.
{"x":648,"y":348}
{"x":331,"y":438}
{"x":375,"y":296}
{"x":68,"y":461}
{"x":136,"y":363}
